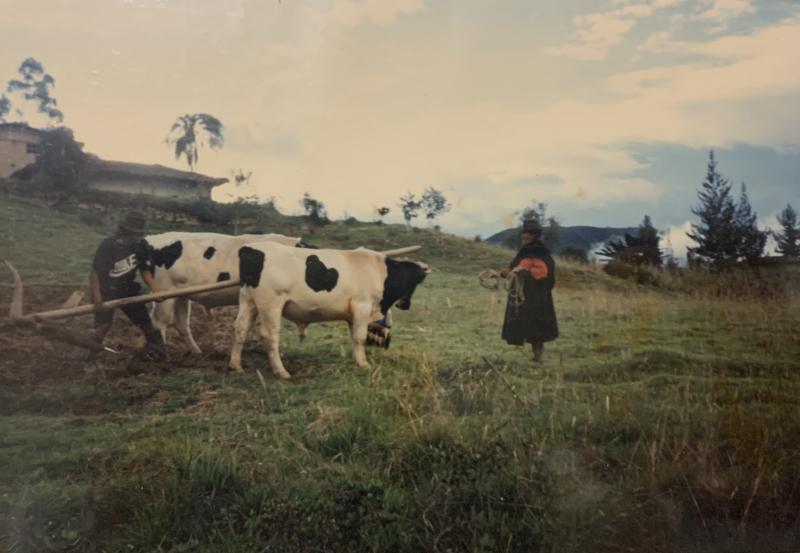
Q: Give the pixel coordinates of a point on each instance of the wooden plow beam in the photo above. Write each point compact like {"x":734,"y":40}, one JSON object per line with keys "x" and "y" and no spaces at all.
{"x":16,"y":314}
{"x":42,"y":321}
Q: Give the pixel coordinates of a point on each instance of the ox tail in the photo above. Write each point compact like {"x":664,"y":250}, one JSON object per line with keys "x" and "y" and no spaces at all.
{"x":15,"y":311}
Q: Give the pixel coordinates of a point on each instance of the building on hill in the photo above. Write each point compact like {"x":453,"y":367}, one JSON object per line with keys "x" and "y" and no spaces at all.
{"x":153,"y":180}
{"x":19,"y":145}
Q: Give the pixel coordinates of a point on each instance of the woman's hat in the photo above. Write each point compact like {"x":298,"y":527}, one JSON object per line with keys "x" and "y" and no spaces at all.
{"x":531,"y":226}
{"x":133,"y":223}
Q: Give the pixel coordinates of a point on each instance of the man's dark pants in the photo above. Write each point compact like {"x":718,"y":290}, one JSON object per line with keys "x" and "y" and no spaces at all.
{"x":136,"y":313}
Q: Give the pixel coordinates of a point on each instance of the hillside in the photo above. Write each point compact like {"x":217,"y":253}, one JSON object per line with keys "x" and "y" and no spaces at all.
{"x":659,"y":421}
{"x":55,"y":245}
{"x":584,"y":237}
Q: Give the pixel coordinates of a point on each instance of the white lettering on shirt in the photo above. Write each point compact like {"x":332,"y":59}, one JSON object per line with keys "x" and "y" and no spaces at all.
{"x":123,"y":266}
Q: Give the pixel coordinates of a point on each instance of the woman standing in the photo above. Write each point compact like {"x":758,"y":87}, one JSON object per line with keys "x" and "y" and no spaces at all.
{"x":534,"y":319}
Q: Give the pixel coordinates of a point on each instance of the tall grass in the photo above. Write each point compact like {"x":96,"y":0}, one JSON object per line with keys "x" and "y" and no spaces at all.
{"x":664,"y":419}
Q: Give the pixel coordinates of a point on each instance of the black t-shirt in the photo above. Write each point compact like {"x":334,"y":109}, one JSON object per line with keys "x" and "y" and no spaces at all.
{"x":116,"y":262}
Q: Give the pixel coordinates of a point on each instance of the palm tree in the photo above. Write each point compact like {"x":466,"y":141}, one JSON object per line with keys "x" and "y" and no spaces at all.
{"x":188,"y":128}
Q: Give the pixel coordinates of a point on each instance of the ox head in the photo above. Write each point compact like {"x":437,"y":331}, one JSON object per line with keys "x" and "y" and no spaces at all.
{"x":402,"y":279}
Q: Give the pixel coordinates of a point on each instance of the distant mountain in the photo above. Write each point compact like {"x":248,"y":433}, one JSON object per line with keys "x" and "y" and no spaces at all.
{"x":580,"y":236}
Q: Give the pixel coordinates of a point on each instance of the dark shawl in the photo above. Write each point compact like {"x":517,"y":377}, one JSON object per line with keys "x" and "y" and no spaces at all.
{"x":535,"y":320}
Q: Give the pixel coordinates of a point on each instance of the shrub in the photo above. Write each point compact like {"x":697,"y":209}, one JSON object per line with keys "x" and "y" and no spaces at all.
{"x":574,"y":253}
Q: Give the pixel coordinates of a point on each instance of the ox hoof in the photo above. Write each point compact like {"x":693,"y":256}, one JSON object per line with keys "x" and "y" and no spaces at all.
{"x":282,"y":375}
{"x":235,"y":369}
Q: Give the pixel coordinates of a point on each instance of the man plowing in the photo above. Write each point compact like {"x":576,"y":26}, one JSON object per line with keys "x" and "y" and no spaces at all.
{"x":117,"y":260}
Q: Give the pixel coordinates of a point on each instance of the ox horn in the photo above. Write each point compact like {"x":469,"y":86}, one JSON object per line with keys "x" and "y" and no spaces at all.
{"x":16,"y":299}
{"x":401,"y":251}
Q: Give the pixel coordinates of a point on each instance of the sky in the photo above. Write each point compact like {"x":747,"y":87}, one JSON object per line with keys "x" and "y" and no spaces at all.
{"x":604,"y":109}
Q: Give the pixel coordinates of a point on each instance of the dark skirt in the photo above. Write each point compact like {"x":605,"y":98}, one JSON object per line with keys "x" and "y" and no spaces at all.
{"x":534,"y":321}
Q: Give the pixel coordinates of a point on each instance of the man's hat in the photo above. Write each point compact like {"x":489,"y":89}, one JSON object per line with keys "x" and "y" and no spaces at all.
{"x":531,"y":226}
{"x":133,"y":223}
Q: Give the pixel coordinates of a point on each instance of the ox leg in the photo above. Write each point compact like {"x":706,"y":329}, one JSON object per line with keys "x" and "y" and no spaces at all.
{"x":301,"y":331}
{"x":163,"y":315}
{"x":244,"y":320}
{"x":358,"y":329}
{"x":183,"y":314}
{"x":271,"y":333}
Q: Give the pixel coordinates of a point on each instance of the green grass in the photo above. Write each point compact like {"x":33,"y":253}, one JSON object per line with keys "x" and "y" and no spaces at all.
{"x":658,"y":422}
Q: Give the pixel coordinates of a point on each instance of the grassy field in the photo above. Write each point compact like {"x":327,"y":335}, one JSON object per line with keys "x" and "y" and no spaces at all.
{"x":659,"y":422}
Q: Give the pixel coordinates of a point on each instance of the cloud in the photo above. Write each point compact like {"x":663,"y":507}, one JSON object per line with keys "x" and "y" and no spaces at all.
{"x":596,"y":35}
{"x":724,"y":10}
{"x":352,"y":13}
{"x":675,"y":241}
{"x":657,"y":42}
{"x":737,"y":89}
{"x":598,"y":32}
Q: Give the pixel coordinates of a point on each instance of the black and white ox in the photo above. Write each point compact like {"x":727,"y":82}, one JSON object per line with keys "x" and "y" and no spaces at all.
{"x":181,"y":259}
{"x":306,"y":286}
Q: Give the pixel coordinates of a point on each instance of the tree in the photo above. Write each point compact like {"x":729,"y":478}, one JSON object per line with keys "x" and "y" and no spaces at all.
{"x":434,"y":203}
{"x":35,"y":86}
{"x":315,"y":209}
{"x":751,"y":241}
{"x":240,"y":179}
{"x":410,"y":207}
{"x":574,"y":253}
{"x":382,"y":212}
{"x":716,"y":233}
{"x":640,"y":249}
{"x":789,"y":237}
{"x":62,"y":160}
{"x":188,"y":129}
{"x":5,"y":107}
{"x":551,"y":228}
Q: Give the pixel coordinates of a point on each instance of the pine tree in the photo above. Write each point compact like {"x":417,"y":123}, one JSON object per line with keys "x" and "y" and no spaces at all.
{"x":789,"y":238}
{"x":751,"y":240}
{"x":641,"y":249}
{"x":716,"y":233}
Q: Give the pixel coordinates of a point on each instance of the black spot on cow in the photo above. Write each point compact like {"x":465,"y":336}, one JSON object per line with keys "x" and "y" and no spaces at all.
{"x":402,"y":278}
{"x":163,"y":257}
{"x":318,"y":276}
{"x":223,"y":276}
{"x":251,"y":263}
{"x":209,"y":253}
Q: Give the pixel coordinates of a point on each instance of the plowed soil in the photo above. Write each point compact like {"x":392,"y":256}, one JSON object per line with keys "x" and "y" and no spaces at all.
{"x":28,"y":359}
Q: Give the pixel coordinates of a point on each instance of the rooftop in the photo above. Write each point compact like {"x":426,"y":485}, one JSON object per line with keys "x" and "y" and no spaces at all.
{"x":101,"y":166}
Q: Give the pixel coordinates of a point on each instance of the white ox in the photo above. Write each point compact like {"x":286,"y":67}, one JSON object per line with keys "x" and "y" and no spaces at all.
{"x":305,"y":286}
{"x":181,"y":259}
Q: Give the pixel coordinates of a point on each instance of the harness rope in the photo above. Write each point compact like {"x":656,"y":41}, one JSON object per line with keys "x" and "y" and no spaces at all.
{"x":512,"y":284}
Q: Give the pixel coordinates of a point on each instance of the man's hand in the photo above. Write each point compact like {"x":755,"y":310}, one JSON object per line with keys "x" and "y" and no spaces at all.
{"x":148,"y":279}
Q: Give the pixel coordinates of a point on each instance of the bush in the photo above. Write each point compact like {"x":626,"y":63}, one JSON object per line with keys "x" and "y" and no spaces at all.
{"x":574,"y":253}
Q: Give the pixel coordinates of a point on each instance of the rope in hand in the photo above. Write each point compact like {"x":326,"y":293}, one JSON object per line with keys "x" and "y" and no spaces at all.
{"x":512,"y":283}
